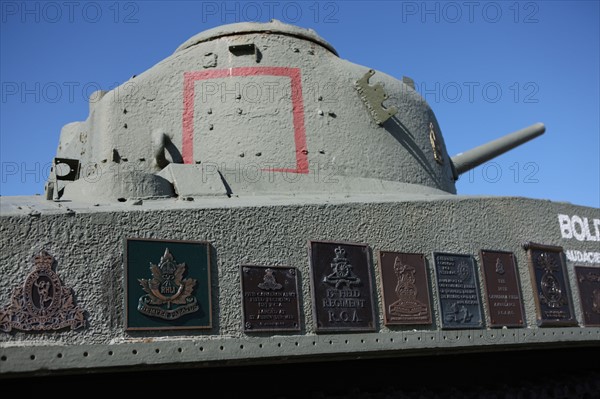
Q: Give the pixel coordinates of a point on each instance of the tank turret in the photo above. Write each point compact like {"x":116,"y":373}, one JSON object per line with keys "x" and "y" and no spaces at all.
{"x":254,"y":201}
{"x":256,"y":108}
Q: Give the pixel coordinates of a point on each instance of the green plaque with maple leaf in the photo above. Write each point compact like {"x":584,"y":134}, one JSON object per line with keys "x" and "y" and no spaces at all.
{"x":167,"y":285}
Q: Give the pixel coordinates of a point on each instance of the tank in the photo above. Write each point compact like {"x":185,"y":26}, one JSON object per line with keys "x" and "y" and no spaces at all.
{"x":253,"y":150}
{"x":295,"y":115}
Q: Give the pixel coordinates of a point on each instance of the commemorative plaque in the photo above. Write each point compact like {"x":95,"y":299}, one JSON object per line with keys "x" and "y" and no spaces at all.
{"x":341,"y":287}
{"x":588,"y":281}
{"x":502,"y":289}
{"x":270,"y":298}
{"x":405,"y":288}
{"x":167,"y":285}
{"x":551,"y":288}
{"x":460,"y":303}
{"x":42,"y":303}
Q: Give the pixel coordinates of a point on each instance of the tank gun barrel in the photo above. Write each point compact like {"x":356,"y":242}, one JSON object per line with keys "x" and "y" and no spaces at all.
{"x":468,"y":160}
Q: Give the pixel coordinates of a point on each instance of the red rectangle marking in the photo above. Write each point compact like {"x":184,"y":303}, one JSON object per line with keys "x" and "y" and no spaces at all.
{"x":187,"y":146}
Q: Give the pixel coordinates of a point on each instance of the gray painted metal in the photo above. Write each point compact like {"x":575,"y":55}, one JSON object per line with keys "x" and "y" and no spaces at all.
{"x":272,"y":27}
{"x":286,"y":111}
{"x":368,"y":183}
{"x":471,"y":159}
{"x":87,"y":242}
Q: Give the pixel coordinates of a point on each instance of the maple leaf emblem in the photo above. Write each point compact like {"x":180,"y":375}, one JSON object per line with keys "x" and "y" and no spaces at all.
{"x":167,"y":285}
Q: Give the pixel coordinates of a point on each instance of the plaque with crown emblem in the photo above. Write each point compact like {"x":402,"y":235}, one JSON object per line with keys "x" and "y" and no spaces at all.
{"x":270,"y":298}
{"x":42,"y":303}
{"x":588,"y":282}
{"x":502,"y":289}
{"x":167,"y":285}
{"x":341,"y":287}
{"x":405,"y":288}
{"x":550,"y":286}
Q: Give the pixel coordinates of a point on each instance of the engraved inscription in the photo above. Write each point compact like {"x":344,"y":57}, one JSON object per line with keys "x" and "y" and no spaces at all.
{"x":502,"y":289}
{"x":270,"y":299}
{"x":405,"y":288}
{"x":342,"y":296}
{"x":588,"y":281}
{"x":458,"y":292}
{"x":547,"y":269}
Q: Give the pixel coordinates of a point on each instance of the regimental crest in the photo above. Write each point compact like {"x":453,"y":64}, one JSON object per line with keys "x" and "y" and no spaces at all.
{"x":42,"y":303}
{"x":168,"y":294}
{"x":342,"y":271}
{"x":551,"y":289}
{"x":463,"y":270}
{"x":406,"y":291}
{"x":269,"y":282}
{"x":499,"y":266}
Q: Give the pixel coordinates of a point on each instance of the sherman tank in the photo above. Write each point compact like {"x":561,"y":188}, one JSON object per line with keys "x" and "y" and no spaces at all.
{"x":254,"y":200}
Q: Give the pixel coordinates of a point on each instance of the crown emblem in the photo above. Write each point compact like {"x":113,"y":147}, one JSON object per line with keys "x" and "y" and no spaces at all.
{"x":43,"y":260}
{"x":342,"y":271}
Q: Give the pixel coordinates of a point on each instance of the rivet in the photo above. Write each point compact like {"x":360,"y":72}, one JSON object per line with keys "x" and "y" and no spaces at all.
{"x":239,"y":111}
{"x":211,"y":127}
{"x":320,"y":112}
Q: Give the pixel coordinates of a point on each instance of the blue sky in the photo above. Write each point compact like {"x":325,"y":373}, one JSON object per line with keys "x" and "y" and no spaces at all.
{"x":487,"y":68}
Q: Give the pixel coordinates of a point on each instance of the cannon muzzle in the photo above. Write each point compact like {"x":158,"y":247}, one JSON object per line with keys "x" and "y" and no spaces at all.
{"x":466,"y":161}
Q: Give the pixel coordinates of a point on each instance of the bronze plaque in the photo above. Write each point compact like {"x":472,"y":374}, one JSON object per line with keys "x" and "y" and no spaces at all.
{"x":588,"y":281}
{"x":43,"y":302}
{"x":167,"y":285}
{"x":551,"y":288}
{"x":405,"y":288}
{"x":502,"y":289}
{"x":341,"y":287}
{"x":460,"y":303}
{"x":270,"y":298}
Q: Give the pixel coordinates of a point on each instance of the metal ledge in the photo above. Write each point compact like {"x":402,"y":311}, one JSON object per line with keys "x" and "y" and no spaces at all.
{"x":45,"y":359}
